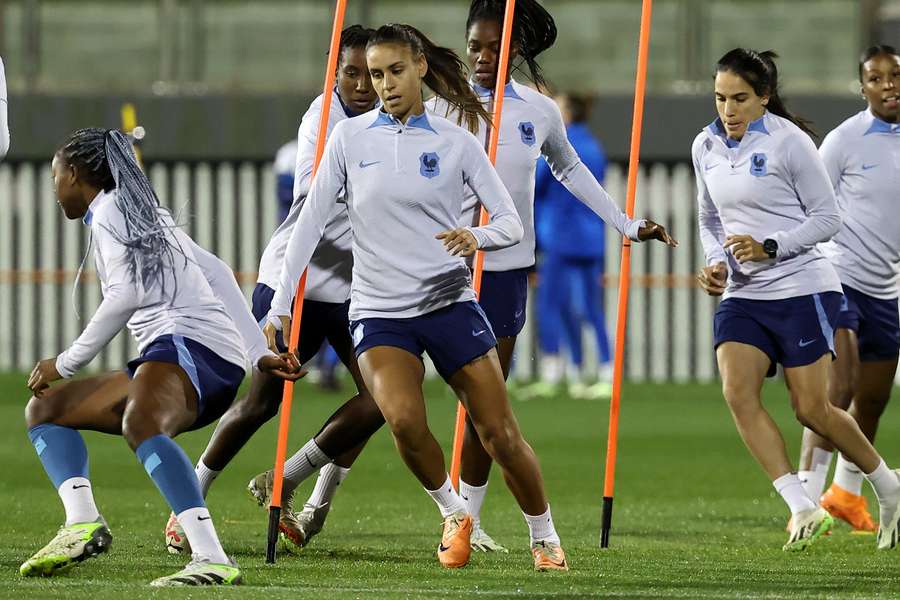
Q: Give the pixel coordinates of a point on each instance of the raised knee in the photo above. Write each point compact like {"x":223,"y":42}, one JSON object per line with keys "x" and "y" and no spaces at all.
{"x":38,"y":412}
{"x":811,"y":415}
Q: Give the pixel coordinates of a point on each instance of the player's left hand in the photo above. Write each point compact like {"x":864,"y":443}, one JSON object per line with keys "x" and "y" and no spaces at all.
{"x":270,"y":331}
{"x":745,"y":248}
{"x":285,"y":365}
{"x":459,"y":242}
{"x":43,"y":374}
{"x":655,"y":231}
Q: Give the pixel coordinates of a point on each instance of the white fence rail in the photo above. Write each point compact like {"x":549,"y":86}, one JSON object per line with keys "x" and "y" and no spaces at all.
{"x":230,"y":209}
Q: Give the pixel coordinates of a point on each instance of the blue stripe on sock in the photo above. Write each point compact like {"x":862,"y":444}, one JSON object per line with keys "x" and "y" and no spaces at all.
{"x":186,"y":361}
{"x":827,"y":330}
{"x":61,"y":450}
{"x":172,"y":472}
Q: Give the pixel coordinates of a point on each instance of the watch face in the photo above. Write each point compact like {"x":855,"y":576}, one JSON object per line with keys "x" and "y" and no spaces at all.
{"x":770,"y":247}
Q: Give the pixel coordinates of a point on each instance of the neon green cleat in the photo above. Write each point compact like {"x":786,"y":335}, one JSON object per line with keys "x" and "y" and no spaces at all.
{"x":201,"y":572}
{"x":71,"y":545}
{"x":482,"y":542}
{"x":807,"y":527}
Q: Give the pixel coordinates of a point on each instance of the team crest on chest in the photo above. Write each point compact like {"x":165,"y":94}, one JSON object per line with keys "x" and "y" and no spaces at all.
{"x":526,"y":130}
{"x":429,"y":165}
{"x":758,"y":164}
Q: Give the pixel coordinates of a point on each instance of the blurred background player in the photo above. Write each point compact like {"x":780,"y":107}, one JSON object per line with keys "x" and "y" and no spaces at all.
{"x":571,"y":239}
{"x":781,"y":295}
{"x":4,"y":119}
{"x":408,"y":171}
{"x":167,"y":290}
{"x":862,"y":157}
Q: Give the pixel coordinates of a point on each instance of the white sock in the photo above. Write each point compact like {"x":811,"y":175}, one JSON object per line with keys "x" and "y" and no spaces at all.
{"x":848,"y":476}
{"x":552,"y":368}
{"x":605,"y":372}
{"x":198,"y":527}
{"x":330,"y":477}
{"x":206,"y":476}
{"x":886,"y":485}
{"x":814,"y":480}
{"x":447,"y":499}
{"x":306,"y":461}
{"x":794,"y":495}
{"x":473,"y":496}
{"x":78,"y":500}
{"x":541,"y":529}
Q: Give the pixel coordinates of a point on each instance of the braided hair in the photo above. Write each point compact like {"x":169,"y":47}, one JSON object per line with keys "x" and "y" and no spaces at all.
{"x":104,"y":158}
{"x":873,"y":51}
{"x":534,"y":31}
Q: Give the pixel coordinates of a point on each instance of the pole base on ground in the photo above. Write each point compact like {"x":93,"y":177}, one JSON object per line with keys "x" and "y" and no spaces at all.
{"x":272,"y":534}
{"x":606,"y":521}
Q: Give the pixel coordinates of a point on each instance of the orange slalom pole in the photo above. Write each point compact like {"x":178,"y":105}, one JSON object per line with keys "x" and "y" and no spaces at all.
{"x":284,"y":419}
{"x":493,"y":143}
{"x":625,"y":272}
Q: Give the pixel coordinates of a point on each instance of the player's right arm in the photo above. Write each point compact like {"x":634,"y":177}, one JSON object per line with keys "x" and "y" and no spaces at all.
{"x":714,"y":276}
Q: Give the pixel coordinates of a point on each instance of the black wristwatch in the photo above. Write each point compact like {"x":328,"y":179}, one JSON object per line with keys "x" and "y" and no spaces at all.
{"x":770,"y":247}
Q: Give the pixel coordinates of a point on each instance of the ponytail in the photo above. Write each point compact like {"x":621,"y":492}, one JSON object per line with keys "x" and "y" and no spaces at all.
{"x":446,"y":75}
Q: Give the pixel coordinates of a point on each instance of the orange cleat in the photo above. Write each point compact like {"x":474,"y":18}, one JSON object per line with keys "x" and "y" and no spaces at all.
{"x":848,"y":507}
{"x":549,"y":557}
{"x":455,"y":547}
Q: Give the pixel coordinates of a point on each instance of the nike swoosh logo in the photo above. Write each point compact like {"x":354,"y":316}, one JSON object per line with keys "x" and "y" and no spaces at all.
{"x":442,"y":548}
{"x":78,"y":487}
{"x":709,"y":167}
{"x":466,"y":498}
{"x":868,"y":167}
{"x":804,"y":343}
{"x":477,"y":333}
{"x":364,"y":165}
{"x":206,"y":518}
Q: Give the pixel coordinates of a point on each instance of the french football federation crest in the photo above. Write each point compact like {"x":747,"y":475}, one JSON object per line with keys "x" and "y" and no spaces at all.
{"x":526,"y":130}
{"x":429,"y":165}
{"x":758,"y":165}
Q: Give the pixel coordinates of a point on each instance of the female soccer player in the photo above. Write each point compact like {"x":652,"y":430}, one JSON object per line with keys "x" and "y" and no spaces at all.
{"x":324,"y":317}
{"x":405,"y":174}
{"x":862,"y":157}
{"x":4,"y":123}
{"x":531,"y":127}
{"x":764,"y":203}
{"x":163,"y":287}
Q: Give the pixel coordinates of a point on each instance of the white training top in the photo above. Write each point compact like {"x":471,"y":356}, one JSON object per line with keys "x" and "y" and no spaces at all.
{"x":771,"y":185}
{"x":286,"y":159}
{"x":532,"y":126}
{"x":331,"y":266}
{"x":4,"y":119}
{"x":404,"y":185}
{"x":862,"y":157}
{"x":207,"y":301}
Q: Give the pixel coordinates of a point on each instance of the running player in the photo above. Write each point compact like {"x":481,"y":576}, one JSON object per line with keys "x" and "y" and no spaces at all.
{"x":862,"y":157}
{"x":764,"y":203}
{"x":163,"y":287}
{"x":405,"y":172}
{"x":324,"y":316}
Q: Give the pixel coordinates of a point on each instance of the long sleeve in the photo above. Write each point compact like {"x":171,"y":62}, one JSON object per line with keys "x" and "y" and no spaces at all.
{"x":816,"y":195}
{"x":4,"y":122}
{"x":712,"y":233}
{"x":225,"y":287}
{"x":121,"y":298}
{"x":832,"y":154}
{"x":505,"y":228}
{"x":577,"y":178}
{"x":314,"y":216}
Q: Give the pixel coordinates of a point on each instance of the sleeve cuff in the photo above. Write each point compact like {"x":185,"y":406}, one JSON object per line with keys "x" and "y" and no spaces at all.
{"x":633,"y":229}
{"x":64,"y":372}
{"x":479,"y":238}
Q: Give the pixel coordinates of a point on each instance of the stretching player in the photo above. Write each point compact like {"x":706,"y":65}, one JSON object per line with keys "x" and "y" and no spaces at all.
{"x":164,"y":287}
{"x":764,"y":203}
{"x":407,"y":172}
{"x":324,"y":317}
{"x":866,"y":254}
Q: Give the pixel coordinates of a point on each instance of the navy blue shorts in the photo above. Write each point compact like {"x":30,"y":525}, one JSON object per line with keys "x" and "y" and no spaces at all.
{"x":876,"y":323}
{"x":320,"y":321}
{"x":215,"y":379}
{"x":794,"y":331}
{"x":504,"y":298}
{"x":452,"y":336}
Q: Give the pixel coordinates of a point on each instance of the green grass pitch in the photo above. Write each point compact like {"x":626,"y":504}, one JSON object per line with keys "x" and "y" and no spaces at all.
{"x":694,"y":515}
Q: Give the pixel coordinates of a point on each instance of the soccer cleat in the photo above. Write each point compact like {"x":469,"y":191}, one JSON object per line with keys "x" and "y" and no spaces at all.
{"x":201,"y":572}
{"x":888,"y":536}
{"x":455,"y":547}
{"x":306,"y":524}
{"x":807,"y":527}
{"x":848,"y":507}
{"x":482,"y":542}
{"x":601,"y":390}
{"x":549,"y":557}
{"x":72,"y":544}
{"x":260,"y":487}
{"x":176,"y":540}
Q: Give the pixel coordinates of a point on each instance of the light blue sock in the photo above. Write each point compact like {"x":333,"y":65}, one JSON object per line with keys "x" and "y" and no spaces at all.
{"x":172,"y":472}
{"x":61,"y":450}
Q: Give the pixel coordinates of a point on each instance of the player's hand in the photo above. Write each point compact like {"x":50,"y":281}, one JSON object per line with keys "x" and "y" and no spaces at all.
{"x":655,"y":231}
{"x":270,"y":330}
{"x":459,"y":242}
{"x":713,"y":279}
{"x":285,"y":365}
{"x":745,"y":248}
{"x":43,"y":374}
